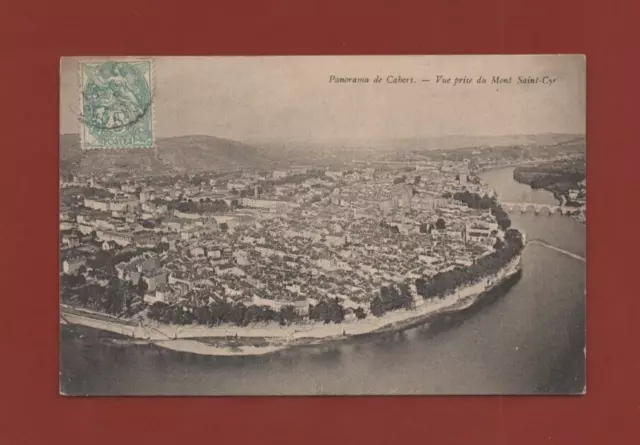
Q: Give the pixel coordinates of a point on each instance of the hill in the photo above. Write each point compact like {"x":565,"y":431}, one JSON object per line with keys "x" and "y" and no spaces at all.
{"x":171,"y":155}
{"x":408,"y":149}
{"x":190,"y":154}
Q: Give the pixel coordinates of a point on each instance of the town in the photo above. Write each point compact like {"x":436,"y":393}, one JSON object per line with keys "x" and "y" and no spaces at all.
{"x":286,"y":245}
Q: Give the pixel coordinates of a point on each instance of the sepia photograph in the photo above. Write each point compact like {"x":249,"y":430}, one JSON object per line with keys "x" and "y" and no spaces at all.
{"x":322,"y":225}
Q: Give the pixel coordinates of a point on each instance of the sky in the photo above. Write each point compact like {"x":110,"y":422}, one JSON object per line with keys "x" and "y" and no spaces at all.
{"x":291,"y":98}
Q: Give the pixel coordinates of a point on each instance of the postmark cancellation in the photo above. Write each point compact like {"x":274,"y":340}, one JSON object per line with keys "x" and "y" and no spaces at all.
{"x":116,"y":103}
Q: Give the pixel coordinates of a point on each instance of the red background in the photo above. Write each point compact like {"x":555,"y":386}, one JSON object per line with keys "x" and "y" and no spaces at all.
{"x":33,"y":36}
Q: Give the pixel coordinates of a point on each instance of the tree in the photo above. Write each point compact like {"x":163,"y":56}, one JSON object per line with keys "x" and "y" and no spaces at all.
{"x":440,"y":224}
{"x":327,"y":310}
{"x":405,"y":300}
{"x":162,"y":247}
{"x":475,"y":201}
{"x":376,"y":307}
{"x":288,"y":314}
{"x":360,"y":313}
{"x":111,"y":301}
{"x":237,"y":314}
{"x":446,"y":282}
{"x":156,"y":310}
{"x":71,"y":281}
{"x":336,"y":311}
{"x":224,"y":226}
{"x":218,"y":206}
{"x":142,"y":286}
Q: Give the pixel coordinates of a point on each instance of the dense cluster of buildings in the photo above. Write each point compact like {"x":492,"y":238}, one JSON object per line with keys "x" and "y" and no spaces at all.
{"x":578,"y":195}
{"x":286,"y":237}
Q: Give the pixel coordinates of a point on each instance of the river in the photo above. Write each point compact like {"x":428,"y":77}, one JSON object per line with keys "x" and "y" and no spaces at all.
{"x":528,"y":341}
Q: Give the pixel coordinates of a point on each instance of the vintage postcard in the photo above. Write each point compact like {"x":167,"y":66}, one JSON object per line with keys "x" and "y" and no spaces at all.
{"x":322,"y":225}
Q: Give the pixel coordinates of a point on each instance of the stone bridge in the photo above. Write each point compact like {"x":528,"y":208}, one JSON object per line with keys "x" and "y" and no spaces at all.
{"x":550,"y":209}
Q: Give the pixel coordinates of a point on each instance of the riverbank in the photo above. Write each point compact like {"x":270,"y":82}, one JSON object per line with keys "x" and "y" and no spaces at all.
{"x":514,"y":190}
{"x":559,"y":178}
{"x":513,"y":165}
{"x":265,"y":339}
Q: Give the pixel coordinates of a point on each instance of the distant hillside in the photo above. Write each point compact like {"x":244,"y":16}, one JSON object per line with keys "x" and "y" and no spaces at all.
{"x":417,"y":148}
{"x":205,"y":153}
{"x":172,"y":155}
{"x":514,"y":148}
{"x":451,"y":142}
{"x":459,"y":142}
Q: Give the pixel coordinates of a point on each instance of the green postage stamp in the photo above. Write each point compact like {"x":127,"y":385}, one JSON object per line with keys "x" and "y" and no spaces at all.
{"x":116,"y":103}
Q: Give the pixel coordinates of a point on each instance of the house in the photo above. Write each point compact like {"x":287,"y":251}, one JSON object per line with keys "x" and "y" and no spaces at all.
{"x":96,"y":204}
{"x":429,"y":259}
{"x":197,"y":251}
{"x":279,"y":207}
{"x":120,"y":238}
{"x":334,"y":241}
{"x":155,"y":280}
{"x":70,"y":240}
{"x":327,"y":264}
{"x":214,"y":253}
{"x":108,"y":245}
{"x":226,"y":270}
{"x":164,"y":293}
{"x":174,"y":224}
{"x":187,"y":215}
{"x":150,"y":264}
{"x":138,"y":266}
{"x":145,"y":238}
{"x":478,"y":233}
{"x":128,"y":188}
{"x":193,"y":232}
{"x":293,"y":288}
{"x":302,"y":307}
{"x":230,"y":221}
{"x":73,"y":265}
{"x":237,"y":185}
{"x":463,"y":261}
{"x":455,"y":234}
{"x":241,"y":257}
{"x":123,"y":204}
{"x":333,"y":174}
{"x":66,"y":225}
{"x":146,"y":196}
